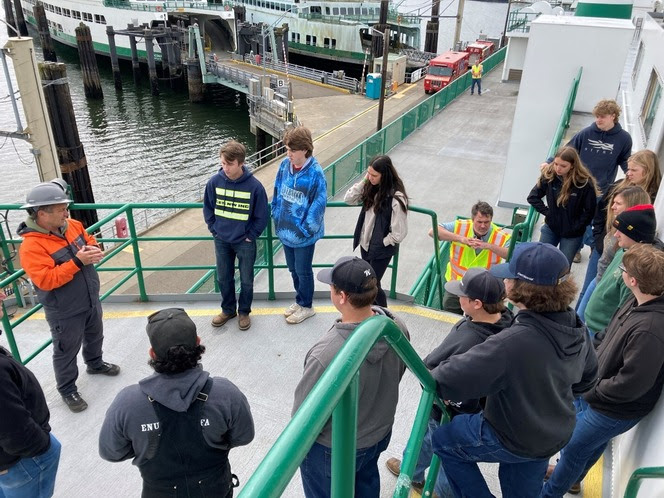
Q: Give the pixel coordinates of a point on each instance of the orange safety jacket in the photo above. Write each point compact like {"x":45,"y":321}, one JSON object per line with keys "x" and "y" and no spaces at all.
{"x":64,"y":285}
{"x":463,"y":257}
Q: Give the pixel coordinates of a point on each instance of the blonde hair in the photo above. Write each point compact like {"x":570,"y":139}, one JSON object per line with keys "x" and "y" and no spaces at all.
{"x":578,"y":177}
{"x":632,"y":195}
{"x":606,"y":107}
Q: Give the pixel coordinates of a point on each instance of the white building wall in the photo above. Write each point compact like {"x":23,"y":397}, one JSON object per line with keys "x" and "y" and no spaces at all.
{"x":557,"y":47}
{"x":516,"y":55}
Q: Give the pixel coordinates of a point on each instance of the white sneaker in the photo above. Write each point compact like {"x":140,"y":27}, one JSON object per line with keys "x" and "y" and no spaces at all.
{"x":291,"y":309}
{"x":301,"y":315}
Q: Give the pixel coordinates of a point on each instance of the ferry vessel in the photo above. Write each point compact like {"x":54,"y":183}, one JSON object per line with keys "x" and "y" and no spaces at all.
{"x":332,"y":30}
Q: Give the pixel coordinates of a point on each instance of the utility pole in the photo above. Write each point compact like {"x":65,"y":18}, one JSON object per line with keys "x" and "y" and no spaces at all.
{"x":383,"y":78}
{"x":459,"y":21}
{"x":22,"y":53}
{"x":433,"y":28}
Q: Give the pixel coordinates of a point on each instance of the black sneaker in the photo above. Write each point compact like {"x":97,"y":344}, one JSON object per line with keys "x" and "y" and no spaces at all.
{"x":104,"y":369}
{"x":74,"y":402}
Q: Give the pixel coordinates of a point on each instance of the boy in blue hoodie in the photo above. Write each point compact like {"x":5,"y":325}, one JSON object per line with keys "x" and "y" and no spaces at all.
{"x":235,"y":210}
{"x":298,"y":211}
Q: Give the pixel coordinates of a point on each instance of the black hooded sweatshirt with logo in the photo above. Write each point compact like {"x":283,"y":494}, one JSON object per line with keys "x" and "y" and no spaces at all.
{"x":530,"y":374}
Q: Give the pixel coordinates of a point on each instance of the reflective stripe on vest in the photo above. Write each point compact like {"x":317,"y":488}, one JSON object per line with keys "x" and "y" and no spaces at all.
{"x":463,"y":257}
{"x":228,"y":207}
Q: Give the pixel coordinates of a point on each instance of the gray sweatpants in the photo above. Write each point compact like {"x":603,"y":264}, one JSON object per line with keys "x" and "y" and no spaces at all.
{"x":68,"y":334}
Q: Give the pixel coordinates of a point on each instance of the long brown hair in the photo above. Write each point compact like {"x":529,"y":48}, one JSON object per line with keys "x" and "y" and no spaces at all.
{"x":632,"y":196}
{"x":376,"y":196}
{"x":577,"y":177}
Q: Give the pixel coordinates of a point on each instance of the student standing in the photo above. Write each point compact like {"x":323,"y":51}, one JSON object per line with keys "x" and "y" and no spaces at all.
{"x":298,"y":211}
{"x":571,"y":199}
{"x":382,"y":223}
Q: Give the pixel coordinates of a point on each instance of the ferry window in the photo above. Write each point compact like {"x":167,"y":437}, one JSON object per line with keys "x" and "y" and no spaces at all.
{"x":365,"y":12}
{"x":343,"y":11}
{"x":100,"y":19}
{"x":651,"y":102}
{"x":308,"y":39}
{"x":326,"y":42}
{"x":59,"y":27}
{"x":313,"y":41}
{"x":316,"y":9}
{"x":357,"y":11}
{"x":334,"y":43}
{"x":87,"y":16}
{"x":66,"y":12}
{"x":76,"y":14}
{"x":272,"y":6}
{"x":58,"y":11}
{"x":637,"y":63}
{"x":327,"y":11}
{"x":335,"y":11}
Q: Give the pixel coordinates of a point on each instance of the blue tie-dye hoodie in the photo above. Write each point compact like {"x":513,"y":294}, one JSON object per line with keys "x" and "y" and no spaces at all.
{"x":298,"y":204}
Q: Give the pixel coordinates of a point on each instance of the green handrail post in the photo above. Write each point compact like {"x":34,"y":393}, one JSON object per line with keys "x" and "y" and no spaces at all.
{"x":270,"y":259}
{"x":344,"y":441}
{"x":9,"y":332}
{"x":637,"y":477}
{"x":137,"y":256}
{"x":9,"y":265}
{"x":393,"y":280}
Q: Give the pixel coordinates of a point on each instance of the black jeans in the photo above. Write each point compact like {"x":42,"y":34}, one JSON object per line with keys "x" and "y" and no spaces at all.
{"x":379,"y":266}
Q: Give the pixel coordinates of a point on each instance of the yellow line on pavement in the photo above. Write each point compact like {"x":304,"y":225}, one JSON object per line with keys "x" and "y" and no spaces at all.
{"x":592,"y":484}
{"x":410,"y":310}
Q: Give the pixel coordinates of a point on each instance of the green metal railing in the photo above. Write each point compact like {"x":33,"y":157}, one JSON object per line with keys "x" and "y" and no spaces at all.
{"x":638,"y":476}
{"x":335,"y":394}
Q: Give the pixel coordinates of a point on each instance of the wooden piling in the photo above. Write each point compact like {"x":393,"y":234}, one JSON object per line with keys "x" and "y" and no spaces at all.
{"x":71,"y":155}
{"x":115,"y":64}
{"x":89,"y":68}
{"x":194,"y":80}
{"x":48,"y":49}
{"x":9,"y":17}
{"x":20,"y":19}
{"x":135,"y":65}
{"x":165,"y":62}
{"x":152,"y":67}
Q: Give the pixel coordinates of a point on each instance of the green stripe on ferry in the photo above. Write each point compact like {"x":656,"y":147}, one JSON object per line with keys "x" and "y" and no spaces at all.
{"x":610,"y":10}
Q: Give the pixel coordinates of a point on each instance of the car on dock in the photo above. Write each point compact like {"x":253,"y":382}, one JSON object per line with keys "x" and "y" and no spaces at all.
{"x":444,"y":69}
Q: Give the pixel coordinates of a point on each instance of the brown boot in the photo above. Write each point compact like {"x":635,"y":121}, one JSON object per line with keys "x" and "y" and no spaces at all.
{"x":222,"y":318}
{"x":244,"y":322}
{"x":393,"y":465}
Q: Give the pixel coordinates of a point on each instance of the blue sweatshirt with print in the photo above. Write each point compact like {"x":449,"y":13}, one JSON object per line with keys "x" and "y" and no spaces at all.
{"x":298,"y":204}
{"x":235,"y":210}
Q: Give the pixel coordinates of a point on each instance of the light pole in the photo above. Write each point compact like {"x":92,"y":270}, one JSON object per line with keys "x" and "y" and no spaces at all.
{"x":383,"y":78}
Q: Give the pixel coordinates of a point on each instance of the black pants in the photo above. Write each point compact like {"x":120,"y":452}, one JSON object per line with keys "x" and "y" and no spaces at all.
{"x":379,"y":266}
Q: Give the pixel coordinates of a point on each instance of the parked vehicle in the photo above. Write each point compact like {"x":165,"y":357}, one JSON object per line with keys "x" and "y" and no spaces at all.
{"x":480,"y":49}
{"x":444,"y":69}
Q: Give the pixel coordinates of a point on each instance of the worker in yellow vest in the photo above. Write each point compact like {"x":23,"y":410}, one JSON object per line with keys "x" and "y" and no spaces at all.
{"x":477,"y":242}
{"x":476,"y":73}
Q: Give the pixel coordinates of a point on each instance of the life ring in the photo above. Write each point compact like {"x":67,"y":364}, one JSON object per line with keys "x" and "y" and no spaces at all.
{"x":158,"y":8}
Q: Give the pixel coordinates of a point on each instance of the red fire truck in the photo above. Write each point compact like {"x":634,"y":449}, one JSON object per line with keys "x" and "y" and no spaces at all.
{"x":444,"y":69}
{"x":480,"y":48}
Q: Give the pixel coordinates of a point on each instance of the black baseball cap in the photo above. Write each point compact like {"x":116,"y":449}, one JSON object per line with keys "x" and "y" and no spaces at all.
{"x":170,"y":327}
{"x":478,"y":283}
{"x":349,"y":274}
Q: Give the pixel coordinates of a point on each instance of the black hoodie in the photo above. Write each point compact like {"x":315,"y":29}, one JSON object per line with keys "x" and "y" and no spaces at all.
{"x":631,"y":361}
{"x":530,"y":374}
{"x":24,"y":429}
{"x":464,"y":335}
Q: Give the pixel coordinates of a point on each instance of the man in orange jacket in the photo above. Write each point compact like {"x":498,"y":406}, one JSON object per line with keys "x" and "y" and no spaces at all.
{"x":59,"y":256}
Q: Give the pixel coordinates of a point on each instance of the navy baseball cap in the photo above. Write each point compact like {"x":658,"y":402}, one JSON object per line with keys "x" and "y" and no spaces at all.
{"x":535,"y":262}
{"x":478,"y":283}
{"x":349,"y":274}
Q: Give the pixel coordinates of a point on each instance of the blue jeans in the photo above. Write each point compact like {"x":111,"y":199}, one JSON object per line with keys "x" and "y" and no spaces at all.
{"x":32,"y":477}
{"x":316,"y":470}
{"x":568,"y":246}
{"x":225,"y":253}
{"x":299,"y":261}
{"x":477,"y":82}
{"x":583,"y":300}
{"x":591,"y":435}
{"x":591,"y":273}
{"x":469,"y":439}
{"x":442,"y":488}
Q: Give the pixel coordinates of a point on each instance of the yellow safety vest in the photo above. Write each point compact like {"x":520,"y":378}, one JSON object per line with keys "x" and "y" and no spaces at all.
{"x":476,"y":71}
{"x":463,"y":257}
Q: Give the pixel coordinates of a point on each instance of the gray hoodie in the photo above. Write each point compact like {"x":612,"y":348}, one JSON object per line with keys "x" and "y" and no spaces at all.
{"x":379,"y":381}
{"x":131,"y":428}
